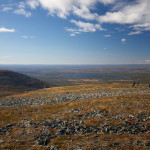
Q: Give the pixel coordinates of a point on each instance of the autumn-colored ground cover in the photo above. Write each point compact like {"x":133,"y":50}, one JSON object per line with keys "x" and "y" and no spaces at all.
{"x":25,"y":124}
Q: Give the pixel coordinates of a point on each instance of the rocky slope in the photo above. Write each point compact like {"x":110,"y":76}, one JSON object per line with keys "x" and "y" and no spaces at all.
{"x":77,"y":117}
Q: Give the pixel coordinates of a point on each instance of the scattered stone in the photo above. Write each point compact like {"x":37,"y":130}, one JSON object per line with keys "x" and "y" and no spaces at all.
{"x":139,"y":143}
{"x":142,"y":117}
{"x":43,"y":139}
{"x":3,"y":130}
{"x":68,"y":96}
{"x":147,"y":144}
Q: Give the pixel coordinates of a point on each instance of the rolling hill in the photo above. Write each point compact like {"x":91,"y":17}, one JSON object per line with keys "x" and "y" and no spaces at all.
{"x":14,"y":82}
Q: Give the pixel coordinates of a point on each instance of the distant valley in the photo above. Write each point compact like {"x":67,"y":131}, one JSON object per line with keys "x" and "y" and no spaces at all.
{"x":68,"y":75}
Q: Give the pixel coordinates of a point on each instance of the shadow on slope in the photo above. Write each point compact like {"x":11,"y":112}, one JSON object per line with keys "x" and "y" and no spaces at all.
{"x":14,"y":82}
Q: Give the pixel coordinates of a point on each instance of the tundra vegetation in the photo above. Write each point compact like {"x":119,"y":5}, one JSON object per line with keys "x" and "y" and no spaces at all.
{"x":93,"y":116}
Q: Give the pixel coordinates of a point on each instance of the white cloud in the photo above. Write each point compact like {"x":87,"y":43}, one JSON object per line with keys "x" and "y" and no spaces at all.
{"x":107,"y":1}
{"x":123,"y":41}
{"x":6,"y":9}
{"x":129,"y":14}
{"x":17,"y":8}
{"x":27,"y":37}
{"x":33,"y":3}
{"x":126,"y":12}
{"x":63,"y":8}
{"x":22,"y":12}
{"x":22,"y":5}
{"x":84,"y":13}
{"x":3,"y":29}
{"x":135,"y":32}
{"x":72,"y":34}
{"x":107,"y":35}
{"x":83,"y":27}
{"x":141,"y":27}
{"x":71,"y":30}
{"x":137,"y":13}
{"x":24,"y":36}
{"x":87,"y":27}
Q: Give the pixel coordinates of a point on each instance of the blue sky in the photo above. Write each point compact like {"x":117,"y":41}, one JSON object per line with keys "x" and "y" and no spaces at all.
{"x":74,"y":31}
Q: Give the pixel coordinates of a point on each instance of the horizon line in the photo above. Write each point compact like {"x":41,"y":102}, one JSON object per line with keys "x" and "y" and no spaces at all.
{"x":82,"y":64}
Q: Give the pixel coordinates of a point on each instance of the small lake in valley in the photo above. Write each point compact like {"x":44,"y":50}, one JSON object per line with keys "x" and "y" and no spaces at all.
{"x":91,"y":76}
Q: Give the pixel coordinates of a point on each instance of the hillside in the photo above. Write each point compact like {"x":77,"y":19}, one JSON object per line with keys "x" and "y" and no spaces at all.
{"x":13,"y":82}
{"x":86,"y":117}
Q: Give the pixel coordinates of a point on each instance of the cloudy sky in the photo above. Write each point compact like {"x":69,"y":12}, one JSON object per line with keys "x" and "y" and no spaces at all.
{"x":74,"y":31}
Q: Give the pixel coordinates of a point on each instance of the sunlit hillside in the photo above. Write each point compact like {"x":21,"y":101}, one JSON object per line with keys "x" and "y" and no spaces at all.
{"x":77,"y":117}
